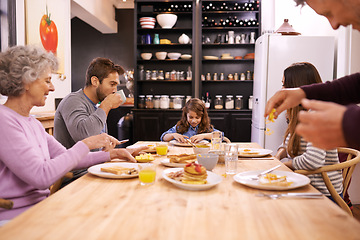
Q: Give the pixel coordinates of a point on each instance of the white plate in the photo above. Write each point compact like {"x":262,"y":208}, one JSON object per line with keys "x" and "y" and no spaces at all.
{"x":179,"y":144}
{"x":140,"y":145}
{"x":255,"y":152}
{"x":297,"y":180}
{"x":96,"y":170}
{"x":212,"y":180}
{"x":166,"y":162}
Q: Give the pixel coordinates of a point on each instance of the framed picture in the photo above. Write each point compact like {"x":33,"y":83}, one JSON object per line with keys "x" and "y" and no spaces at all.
{"x":7,"y":24}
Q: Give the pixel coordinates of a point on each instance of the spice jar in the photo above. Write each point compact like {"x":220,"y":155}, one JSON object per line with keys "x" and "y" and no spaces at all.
{"x":141,"y":103}
{"x":177,"y":101}
{"x":164,"y":101}
{"x":238,"y":102}
{"x":147,"y":75}
{"x":222,"y":76}
{"x":248,"y":75}
{"x":153,"y":75}
{"x":160,"y":75}
{"x":230,"y":77}
{"x":250,"y":102}
{"x":242,"y":76}
{"x":187,"y":98}
{"x":218,"y":102}
{"x":171,"y":102}
{"x":157,"y":101}
{"x":236,"y":76}
{"x":215,"y":77}
{"x":149,"y":102}
{"x":208,"y":77}
{"x":229,"y":102}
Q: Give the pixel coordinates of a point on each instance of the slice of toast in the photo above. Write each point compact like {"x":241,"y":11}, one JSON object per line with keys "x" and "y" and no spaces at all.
{"x":118,"y":170}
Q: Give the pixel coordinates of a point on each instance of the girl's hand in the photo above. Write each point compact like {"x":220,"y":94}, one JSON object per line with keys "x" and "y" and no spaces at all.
{"x":180,"y":138}
{"x":122,"y":153}
{"x":197,"y":138}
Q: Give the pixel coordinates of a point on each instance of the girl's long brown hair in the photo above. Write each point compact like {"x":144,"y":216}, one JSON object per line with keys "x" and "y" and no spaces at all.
{"x":298,"y":74}
{"x":197,"y":106}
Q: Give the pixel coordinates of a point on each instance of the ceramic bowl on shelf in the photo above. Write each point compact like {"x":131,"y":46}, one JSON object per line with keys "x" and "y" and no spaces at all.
{"x":146,"y":56}
{"x":166,"y":20}
{"x":161,"y":55}
{"x":186,"y":56}
{"x":174,"y":55}
{"x":147,"y":22}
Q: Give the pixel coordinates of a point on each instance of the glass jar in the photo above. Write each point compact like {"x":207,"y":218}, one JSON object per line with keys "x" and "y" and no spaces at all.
{"x":222,"y":77}
{"x":229,"y":102}
{"x":250,"y":102}
{"x":142,"y":73}
{"x":148,"y":75}
{"x":164,"y":101}
{"x":157,"y":101}
{"x":154,"y":75}
{"x":160,"y":75}
{"x":218,"y":102}
{"x":149,"y":102}
{"x":171,"y":102}
{"x":173,"y":75}
{"x":187,"y":98}
{"x":177,"y":102}
{"x":236,"y":76}
{"x":141,"y":103}
{"x":208,"y":77}
{"x":238,"y":102}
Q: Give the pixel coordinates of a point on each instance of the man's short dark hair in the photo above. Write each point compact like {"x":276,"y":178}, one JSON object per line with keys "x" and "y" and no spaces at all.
{"x":101,"y":68}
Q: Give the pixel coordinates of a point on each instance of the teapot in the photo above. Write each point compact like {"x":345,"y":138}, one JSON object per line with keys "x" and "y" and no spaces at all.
{"x":184,"y":39}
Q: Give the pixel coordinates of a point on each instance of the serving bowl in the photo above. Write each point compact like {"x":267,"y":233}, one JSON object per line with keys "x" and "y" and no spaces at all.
{"x":208,"y":160}
{"x":146,"y":56}
{"x":186,"y":56}
{"x":161,"y":55}
{"x":166,"y":20}
{"x":201,"y":149}
{"x":174,"y":55}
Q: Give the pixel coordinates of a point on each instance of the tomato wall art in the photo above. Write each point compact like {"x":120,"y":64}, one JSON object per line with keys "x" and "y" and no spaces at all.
{"x":48,"y":33}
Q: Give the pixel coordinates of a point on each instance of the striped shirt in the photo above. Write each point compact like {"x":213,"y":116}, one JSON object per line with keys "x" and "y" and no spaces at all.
{"x":311,"y":158}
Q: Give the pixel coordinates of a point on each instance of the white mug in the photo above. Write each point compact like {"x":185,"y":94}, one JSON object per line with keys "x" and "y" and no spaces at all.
{"x":122,"y":95}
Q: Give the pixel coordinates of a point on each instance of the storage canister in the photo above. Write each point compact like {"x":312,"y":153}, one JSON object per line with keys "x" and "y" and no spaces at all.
{"x":157,"y":101}
{"x":229,"y":102}
{"x":250,"y":102}
{"x":149,"y":102}
{"x":164,"y":101}
{"x":177,"y":101}
{"x":238,"y":102}
{"x":218,"y":102}
{"x":141,"y":103}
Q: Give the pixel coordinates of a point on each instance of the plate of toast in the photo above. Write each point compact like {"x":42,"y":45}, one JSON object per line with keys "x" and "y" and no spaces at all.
{"x":253,"y":152}
{"x":150,"y":149}
{"x":115,"y":170}
{"x":186,"y":144}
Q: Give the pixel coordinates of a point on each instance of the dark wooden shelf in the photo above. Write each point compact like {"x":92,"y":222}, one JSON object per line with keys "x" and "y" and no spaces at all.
{"x":149,"y":14}
{"x":164,"y":61}
{"x":174,"y":29}
{"x":227,"y":12}
{"x":228,"y":81}
{"x":226,"y":45}
{"x":229,"y":28}
{"x":164,"y":45}
{"x":164,"y":81}
{"x":228,"y":60}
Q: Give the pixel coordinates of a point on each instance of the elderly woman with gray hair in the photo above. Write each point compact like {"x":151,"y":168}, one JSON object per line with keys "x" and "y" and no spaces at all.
{"x":30,"y":159}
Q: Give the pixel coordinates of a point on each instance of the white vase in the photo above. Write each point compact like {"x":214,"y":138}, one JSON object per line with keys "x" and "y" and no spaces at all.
{"x":184,"y":39}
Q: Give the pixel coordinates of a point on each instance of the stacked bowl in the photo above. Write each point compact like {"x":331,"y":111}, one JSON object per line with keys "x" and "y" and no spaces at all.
{"x":147,"y":22}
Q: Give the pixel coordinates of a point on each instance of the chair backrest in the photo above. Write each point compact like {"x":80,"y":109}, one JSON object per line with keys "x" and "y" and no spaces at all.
{"x":347,"y":167}
{"x":227,"y":140}
{"x":56,"y":186}
{"x":7,"y":204}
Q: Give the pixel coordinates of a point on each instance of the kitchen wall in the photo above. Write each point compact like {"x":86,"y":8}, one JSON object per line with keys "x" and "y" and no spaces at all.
{"x":88,"y":43}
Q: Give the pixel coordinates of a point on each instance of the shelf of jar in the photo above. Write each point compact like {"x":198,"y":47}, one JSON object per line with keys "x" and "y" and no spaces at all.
{"x":229,"y":28}
{"x":227,"y":81}
{"x":165,"y":60}
{"x":179,"y":110}
{"x":164,"y":81}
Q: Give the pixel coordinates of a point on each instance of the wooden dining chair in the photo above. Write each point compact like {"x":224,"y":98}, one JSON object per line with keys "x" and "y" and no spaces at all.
{"x":347,"y":167}
{"x":5,"y":203}
{"x":56,"y":186}
{"x":227,"y":140}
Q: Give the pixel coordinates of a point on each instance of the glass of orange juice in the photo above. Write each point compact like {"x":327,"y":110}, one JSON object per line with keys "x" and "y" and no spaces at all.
{"x":147,"y":173}
{"x":161,"y":148}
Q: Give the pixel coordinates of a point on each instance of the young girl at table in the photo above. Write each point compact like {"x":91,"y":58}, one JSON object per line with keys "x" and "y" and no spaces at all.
{"x":194,"y":124}
{"x":295,"y":152}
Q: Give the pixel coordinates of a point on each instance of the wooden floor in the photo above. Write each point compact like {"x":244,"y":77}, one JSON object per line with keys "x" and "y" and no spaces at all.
{"x":356,"y":211}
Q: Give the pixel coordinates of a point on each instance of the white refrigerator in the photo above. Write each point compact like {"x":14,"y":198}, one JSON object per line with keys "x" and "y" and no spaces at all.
{"x":273,"y":54}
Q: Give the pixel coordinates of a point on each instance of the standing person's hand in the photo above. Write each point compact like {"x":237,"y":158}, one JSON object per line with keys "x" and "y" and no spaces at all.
{"x":322,"y":126}
{"x":110,"y":102}
{"x":104,"y":141}
{"x":284,"y":99}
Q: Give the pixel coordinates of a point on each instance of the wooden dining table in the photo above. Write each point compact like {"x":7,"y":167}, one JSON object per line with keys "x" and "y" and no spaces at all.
{"x":99,"y":208}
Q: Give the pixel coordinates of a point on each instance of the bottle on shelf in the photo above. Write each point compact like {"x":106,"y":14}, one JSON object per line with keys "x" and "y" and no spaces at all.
{"x":189,"y":74}
{"x":207,"y":100}
{"x":141,"y":73}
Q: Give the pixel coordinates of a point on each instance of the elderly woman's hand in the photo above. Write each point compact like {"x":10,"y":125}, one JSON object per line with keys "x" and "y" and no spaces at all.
{"x":104,"y":141}
{"x":121,"y":153}
{"x":136,"y":151}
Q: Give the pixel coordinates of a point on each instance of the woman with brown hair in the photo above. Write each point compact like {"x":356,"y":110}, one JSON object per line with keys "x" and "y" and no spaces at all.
{"x":295,"y":152}
{"x":194,"y":124}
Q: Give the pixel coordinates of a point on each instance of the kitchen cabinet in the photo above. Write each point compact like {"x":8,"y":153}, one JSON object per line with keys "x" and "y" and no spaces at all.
{"x":150,"y":124}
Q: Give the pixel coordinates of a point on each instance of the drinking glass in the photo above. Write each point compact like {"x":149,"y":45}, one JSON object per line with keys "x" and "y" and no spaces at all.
{"x":216,"y":139}
{"x":161,"y":148}
{"x":147,"y":173}
{"x":231,"y":158}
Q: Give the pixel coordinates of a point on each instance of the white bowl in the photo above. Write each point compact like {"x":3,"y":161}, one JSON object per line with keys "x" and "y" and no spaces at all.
{"x":161,"y":55}
{"x":201,"y":149}
{"x":208,"y":160}
{"x":146,"y":56}
{"x":147,"y":26}
{"x":166,"y":20}
{"x":174,"y":55}
{"x":186,"y":56}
